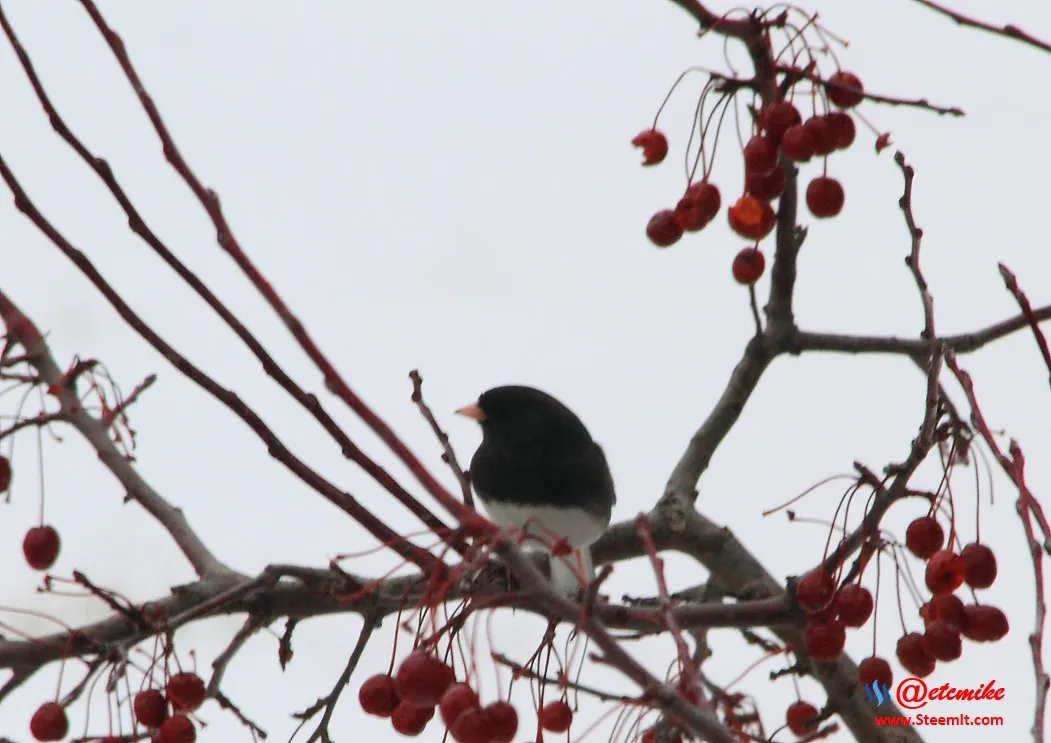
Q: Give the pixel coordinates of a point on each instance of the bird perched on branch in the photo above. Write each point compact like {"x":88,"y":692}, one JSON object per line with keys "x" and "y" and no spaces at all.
{"x":538,"y":470}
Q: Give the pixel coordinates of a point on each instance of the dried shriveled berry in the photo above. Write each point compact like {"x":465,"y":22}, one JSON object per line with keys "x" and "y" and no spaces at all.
{"x":843,"y":129}
{"x":760,"y":155}
{"x":5,"y":473}
{"x":40,"y":547}
{"x":504,"y":721}
{"x":985,"y":623}
{"x":151,"y":708}
{"x":854,"y":604}
{"x":176,"y":729}
{"x":185,"y":691}
{"x":778,"y":118}
{"x":748,"y":266}
{"x":924,"y":536}
{"x":873,"y":669}
{"x":915,"y":655}
{"x":943,"y":639}
{"x":556,"y":717}
{"x":825,"y":640}
{"x":457,"y":699}
{"x":653,"y":144}
{"x":377,"y":696}
{"x":49,"y":722}
{"x":741,"y":218}
{"x":979,"y":565}
{"x":814,"y":590}
{"x":664,"y":229}
{"x":824,"y":197}
{"x":798,"y":143}
{"x":800,"y":718}
{"x":768,"y":186}
{"x":846,"y":90}
{"x":822,"y":134}
{"x":422,"y":679}
{"x":945,"y":572}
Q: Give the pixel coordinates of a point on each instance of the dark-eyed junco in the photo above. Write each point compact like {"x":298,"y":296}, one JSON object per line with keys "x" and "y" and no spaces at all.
{"x":537,"y":469}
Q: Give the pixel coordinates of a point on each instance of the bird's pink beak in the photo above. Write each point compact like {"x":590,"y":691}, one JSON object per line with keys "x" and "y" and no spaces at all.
{"x":472,"y":411}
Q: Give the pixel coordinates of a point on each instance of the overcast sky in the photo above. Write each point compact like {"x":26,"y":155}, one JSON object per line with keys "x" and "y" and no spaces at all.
{"x":450,"y":187}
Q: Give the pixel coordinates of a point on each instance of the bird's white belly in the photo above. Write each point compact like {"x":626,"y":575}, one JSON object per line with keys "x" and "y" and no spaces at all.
{"x":578,"y":527}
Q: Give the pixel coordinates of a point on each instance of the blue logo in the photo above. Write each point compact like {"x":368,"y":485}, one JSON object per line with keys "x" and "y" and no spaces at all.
{"x":877,"y":693}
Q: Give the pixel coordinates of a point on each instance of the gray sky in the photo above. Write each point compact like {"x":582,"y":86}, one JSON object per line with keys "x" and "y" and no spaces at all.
{"x":450,"y":187}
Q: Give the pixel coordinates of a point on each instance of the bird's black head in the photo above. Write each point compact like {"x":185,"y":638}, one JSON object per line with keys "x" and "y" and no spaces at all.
{"x":522,"y":415}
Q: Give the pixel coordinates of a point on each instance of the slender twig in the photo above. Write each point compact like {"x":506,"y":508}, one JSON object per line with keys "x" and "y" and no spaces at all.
{"x":1009,"y":30}
{"x":1028,"y":509}
{"x":328,"y":702}
{"x":1011,"y":282}
{"x":448,"y":453}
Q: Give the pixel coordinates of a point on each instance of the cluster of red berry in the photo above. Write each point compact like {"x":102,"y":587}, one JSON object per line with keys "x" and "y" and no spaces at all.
{"x":781,"y":137}
{"x":184,"y":692}
{"x":946,"y":618}
{"x":423,"y":683}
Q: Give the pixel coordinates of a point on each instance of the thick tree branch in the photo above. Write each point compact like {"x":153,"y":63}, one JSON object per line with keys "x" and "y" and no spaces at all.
{"x":962,"y":343}
{"x":22,"y":330}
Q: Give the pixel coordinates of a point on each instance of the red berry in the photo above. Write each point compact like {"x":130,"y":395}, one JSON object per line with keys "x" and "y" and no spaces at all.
{"x":985,"y":623}
{"x":843,"y":129}
{"x":778,"y":118}
{"x":185,"y":691}
{"x":742,"y":217}
{"x":471,"y":726}
{"x":150,"y":707}
{"x":979,"y":565}
{"x":176,"y":729}
{"x":748,"y":266}
{"x":824,"y":197}
{"x":798,"y":143}
{"x":504,"y":721}
{"x":556,"y":717}
{"x":848,"y":96}
{"x":915,"y":655}
{"x":410,"y":720}
{"x":40,"y":547}
{"x":654,"y":146}
{"x":422,"y":679}
{"x":825,"y":640}
{"x":377,"y":696}
{"x":760,"y":155}
{"x":824,"y":137}
{"x":664,"y":229}
{"x":456,"y":699}
{"x":800,"y":718}
{"x":873,"y":669}
{"x":947,"y":607}
{"x":768,"y":186}
{"x":822,"y":615}
{"x":706,"y":195}
{"x":698,"y":206}
{"x":924,"y":537}
{"x":49,"y":722}
{"x":854,"y":604}
{"x":815,"y":590}
{"x":943,"y":639}
{"x":945,"y":572}
{"x":5,"y":473}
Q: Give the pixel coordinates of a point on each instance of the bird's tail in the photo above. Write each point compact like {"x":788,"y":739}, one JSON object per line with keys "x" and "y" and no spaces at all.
{"x":571,"y":573}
